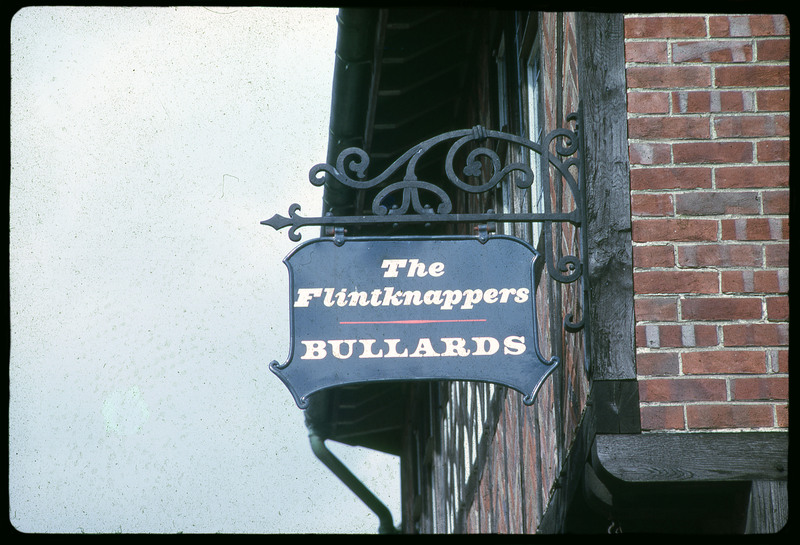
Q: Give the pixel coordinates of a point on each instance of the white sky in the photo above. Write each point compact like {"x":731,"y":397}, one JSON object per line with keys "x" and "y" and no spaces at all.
{"x":146,"y":299}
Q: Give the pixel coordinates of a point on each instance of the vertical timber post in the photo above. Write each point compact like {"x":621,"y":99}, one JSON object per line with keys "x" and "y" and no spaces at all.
{"x":601,"y":60}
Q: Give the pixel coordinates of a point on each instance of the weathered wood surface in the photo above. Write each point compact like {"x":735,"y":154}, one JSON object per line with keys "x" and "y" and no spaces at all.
{"x":693,"y":457}
{"x":602,"y":85}
{"x":616,"y":406}
{"x":570,"y":478}
{"x":768,"y":511}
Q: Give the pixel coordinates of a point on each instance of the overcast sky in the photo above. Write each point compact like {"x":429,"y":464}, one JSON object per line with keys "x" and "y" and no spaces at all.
{"x":146,"y":299}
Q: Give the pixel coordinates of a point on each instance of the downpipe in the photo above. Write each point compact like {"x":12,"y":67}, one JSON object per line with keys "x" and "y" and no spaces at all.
{"x":352,"y":482}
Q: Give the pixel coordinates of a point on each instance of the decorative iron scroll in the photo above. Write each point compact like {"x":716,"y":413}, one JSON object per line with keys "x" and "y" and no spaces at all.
{"x":559,"y":151}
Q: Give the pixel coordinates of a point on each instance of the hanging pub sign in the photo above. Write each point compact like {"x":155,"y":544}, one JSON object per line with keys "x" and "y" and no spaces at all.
{"x":368,"y":309}
{"x":437,"y":308}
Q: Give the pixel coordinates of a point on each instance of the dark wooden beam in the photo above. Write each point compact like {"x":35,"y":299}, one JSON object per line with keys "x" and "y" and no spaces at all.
{"x":616,"y":406}
{"x":692,"y":457}
{"x":601,"y":66}
{"x":613,"y":404}
{"x":768,"y":509}
{"x":569,"y":484}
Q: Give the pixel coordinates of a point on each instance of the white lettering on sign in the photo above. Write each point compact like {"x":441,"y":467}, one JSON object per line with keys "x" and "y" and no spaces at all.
{"x":415,"y":268}
{"x":513,"y":345}
{"x":388,"y":296}
{"x":445,"y":299}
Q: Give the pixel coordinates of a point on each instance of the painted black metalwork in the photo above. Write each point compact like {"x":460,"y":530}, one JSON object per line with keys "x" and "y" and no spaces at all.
{"x":559,"y":149}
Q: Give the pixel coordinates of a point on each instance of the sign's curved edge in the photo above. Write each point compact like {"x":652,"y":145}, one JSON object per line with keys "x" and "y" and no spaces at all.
{"x":302,"y":402}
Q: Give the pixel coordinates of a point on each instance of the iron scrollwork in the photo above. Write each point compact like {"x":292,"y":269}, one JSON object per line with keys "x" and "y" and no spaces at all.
{"x":559,"y":151}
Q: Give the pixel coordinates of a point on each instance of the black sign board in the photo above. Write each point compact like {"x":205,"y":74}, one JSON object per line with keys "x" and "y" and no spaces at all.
{"x":412,"y":308}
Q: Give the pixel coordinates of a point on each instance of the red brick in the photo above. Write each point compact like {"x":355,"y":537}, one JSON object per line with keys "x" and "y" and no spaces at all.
{"x":752,"y":176}
{"x":712,"y":101}
{"x":712,"y":152}
{"x":709,"y":203}
{"x":646,"y":257}
{"x":662,"y":417}
{"x":776,"y":202}
{"x":755,"y":281}
{"x":773,"y":50}
{"x":690,"y":389}
{"x":777,"y":309}
{"x":665,"y":27}
{"x":651,"y":204}
{"x":731,"y":101}
{"x":751,"y":76}
{"x":648,"y":102}
{"x":773,"y":100}
{"x":721,"y":308}
{"x":756,"y":335}
{"x":687,"y":335}
{"x":671,"y":178}
{"x":729,"y":416}
{"x":668,"y":77}
{"x":712,"y":51}
{"x":655,"y":308}
{"x":782,"y":415}
{"x":736,"y":281}
{"x":719,"y":255}
{"x":640,"y":336}
{"x":755,"y":229}
{"x":783,"y":361}
{"x":647,"y":153}
{"x":761,"y":388}
{"x":748,"y":25}
{"x":674,"y":230}
{"x":655,"y":51}
{"x":751,"y":125}
{"x":499,"y":507}
{"x":771,"y":281}
{"x":704,"y":335}
{"x":723,"y":362}
{"x":657,"y":363}
{"x":675,"y":282}
{"x":773,"y":150}
{"x":776,"y":255}
{"x":668,"y":127}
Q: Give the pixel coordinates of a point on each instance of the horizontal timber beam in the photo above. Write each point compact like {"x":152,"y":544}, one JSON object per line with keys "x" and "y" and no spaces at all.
{"x":692,"y":457}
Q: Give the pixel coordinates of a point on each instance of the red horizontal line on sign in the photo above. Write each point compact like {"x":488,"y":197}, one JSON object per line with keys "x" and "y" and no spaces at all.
{"x":414,"y":321}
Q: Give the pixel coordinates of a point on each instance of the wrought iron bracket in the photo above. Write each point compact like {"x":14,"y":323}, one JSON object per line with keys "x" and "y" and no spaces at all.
{"x":561,"y":166}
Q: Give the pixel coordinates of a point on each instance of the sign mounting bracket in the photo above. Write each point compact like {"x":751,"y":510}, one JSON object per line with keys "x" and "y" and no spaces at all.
{"x":482,"y":171}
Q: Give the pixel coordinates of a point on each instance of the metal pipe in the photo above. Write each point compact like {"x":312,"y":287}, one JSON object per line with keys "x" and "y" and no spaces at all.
{"x":352,"y":74}
{"x":352,"y":482}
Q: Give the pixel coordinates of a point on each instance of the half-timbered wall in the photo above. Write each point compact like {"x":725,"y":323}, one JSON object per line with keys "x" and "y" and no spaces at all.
{"x":688,"y":248}
{"x":497,"y":461}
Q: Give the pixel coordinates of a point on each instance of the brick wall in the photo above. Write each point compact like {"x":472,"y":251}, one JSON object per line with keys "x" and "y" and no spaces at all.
{"x":525,"y":456}
{"x":708,"y":127}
